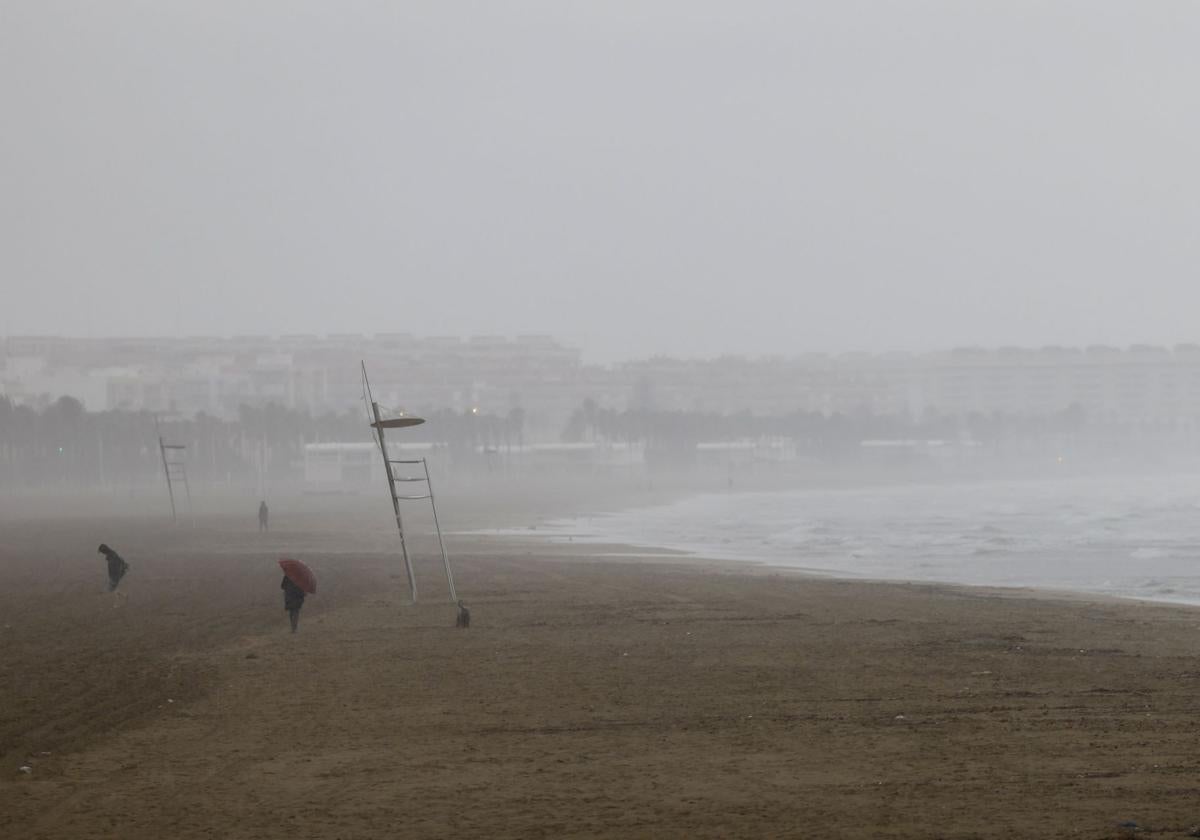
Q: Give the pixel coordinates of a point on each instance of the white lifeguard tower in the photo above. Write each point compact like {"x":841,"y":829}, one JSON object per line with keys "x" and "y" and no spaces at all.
{"x":380,"y":424}
{"x":175,"y":467}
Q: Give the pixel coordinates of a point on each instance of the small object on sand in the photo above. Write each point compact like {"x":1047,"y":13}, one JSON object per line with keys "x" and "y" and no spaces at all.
{"x":899,"y":717}
{"x":24,"y":768}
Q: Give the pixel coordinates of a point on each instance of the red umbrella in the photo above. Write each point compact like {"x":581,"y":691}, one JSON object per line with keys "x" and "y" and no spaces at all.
{"x":299,"y":574}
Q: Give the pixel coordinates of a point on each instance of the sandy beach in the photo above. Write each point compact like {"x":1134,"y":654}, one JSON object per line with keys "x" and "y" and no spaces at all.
{"x":594,"y":695}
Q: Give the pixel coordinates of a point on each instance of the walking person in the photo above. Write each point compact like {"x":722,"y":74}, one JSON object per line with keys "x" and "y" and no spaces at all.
{"x":298,"y":581}
{"x":263,"y":513}
{"x":117,"y":567}
{"x":293,"y":600}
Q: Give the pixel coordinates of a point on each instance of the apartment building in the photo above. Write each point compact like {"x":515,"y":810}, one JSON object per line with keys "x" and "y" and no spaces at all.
{"x":547,"y":380}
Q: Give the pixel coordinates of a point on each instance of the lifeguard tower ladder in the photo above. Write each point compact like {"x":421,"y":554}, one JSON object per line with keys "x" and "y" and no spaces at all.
{"x":176,"y":472}
{"x":379,"y":424}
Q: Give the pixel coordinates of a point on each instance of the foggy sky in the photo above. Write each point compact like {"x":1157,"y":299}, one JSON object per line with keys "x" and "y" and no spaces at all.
{"x":635,"y":177}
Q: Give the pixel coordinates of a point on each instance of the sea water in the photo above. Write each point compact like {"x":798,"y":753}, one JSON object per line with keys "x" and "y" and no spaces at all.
{"x":1127,"y":537}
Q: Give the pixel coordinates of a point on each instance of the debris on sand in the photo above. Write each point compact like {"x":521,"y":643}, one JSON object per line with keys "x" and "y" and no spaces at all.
{"x":24,"y":768}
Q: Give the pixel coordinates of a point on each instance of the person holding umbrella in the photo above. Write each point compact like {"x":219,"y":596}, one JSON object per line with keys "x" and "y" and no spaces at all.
{"x":298,"y":581}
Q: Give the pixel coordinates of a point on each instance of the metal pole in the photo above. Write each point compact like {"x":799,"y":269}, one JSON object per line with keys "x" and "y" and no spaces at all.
{"x":187,"y":488}
{"x":100,"y":456}
{"x":441,"y":544}
{"x":162,"y":450}
{"x":387,"y":467}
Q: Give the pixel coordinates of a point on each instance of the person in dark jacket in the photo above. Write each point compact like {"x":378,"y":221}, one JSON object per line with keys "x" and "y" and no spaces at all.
{"x":293,"y":600}
{"x":262,"y":516}
{"x":117,"y":567}
{"x":464,"y":616}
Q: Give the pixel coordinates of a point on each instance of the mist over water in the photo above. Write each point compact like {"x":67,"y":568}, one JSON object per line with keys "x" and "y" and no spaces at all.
{"x":1130,"y":537}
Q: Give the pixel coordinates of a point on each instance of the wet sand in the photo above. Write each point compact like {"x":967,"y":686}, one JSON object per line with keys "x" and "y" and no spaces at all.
{"x":592,"y":696}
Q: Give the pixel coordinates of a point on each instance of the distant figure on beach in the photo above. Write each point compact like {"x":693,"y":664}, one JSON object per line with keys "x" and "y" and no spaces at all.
{"x":262,"y":516}
{"x":464,"y":616}
{"x":293,"y":600}
{"x":117,"y":567}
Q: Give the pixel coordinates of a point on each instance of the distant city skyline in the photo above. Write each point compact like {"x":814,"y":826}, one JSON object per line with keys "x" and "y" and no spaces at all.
{"x":547,"y":381}
{"x":590,"y":358}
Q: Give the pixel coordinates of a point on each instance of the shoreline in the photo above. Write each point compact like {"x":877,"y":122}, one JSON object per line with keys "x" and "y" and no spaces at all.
{"x":1091,"y":563}
{"x":630,"y":551}
{"x":627,"y":552}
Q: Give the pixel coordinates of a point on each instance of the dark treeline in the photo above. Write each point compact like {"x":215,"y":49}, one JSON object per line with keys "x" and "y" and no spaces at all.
{"x":671,"y":436}
{"x":822,"y":431}
{"x":62,"y":444}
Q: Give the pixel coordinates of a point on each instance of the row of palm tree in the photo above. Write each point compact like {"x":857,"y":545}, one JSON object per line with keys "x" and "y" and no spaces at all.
{"x":62,"y":444}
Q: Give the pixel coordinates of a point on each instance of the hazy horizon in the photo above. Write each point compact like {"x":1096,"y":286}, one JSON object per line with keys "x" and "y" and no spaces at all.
{"x":687,"y":179}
